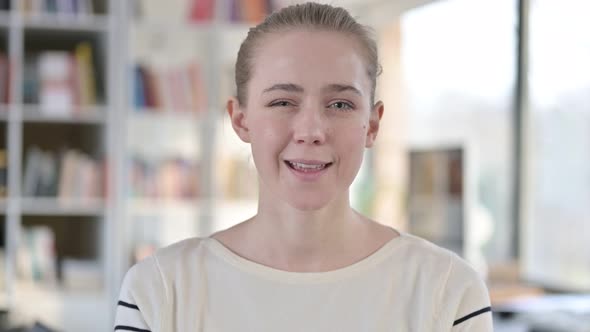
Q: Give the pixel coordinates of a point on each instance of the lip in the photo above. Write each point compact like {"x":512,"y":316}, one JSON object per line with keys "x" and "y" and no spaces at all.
{"x":309,"y":175}
{"x":307,"y":161}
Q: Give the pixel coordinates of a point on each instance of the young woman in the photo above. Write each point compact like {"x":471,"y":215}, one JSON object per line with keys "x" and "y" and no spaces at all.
{"x":306,"y":261}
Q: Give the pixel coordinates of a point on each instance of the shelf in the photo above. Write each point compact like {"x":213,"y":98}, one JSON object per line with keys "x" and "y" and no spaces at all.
{"x":62,"y":207}
{"x":86,"y":115}
{"x":87,"y":23}
{"x":167,"y":115}
{"x":151,"y":24}
{"x":163,"y":205}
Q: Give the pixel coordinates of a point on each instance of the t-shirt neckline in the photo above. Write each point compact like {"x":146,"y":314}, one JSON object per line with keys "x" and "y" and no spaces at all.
{"x":264,"y":271}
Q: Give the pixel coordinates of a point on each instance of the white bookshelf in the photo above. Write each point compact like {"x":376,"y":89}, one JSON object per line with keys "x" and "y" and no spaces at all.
{"x":86,"y":115}
{"x":62,"y":207}
{"x":196,"y":134}
{"x":91,"y":23}
{"x":83,"y":227}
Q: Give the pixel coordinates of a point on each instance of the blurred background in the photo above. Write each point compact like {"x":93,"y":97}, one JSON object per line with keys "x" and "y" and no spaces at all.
{"x":114,"y":142}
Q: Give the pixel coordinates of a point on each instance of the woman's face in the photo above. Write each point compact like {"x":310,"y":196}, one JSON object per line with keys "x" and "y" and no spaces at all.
{"x":308,"y":116}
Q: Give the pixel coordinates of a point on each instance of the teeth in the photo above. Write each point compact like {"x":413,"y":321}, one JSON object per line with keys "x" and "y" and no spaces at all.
{"x":306,"y":166}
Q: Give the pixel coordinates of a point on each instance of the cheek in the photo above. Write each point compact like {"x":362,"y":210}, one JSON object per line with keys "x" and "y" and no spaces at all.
{"x":267,"y":139}
{"x":354,"y":134}
{"x":351,"y":142}
{"x":268,"y":135}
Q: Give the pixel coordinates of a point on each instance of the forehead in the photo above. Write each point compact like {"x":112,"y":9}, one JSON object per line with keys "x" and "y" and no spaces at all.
{"x":309,"y":58}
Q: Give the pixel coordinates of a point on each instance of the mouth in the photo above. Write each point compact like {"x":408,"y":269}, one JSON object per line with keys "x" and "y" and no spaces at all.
{"x":307,"y":166}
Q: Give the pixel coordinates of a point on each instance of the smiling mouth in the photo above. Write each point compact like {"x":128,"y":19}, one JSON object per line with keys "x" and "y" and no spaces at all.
{"x":304,"y":167}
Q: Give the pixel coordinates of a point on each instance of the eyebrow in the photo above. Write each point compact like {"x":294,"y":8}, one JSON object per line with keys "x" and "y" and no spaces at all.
{"x":290,"y":87}
{"x":342,"y":88}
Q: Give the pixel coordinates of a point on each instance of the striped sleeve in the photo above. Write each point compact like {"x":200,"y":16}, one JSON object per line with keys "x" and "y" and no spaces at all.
{"x":140,"y":299}
{"x":129,"y":318}
{"x":467,"y":300}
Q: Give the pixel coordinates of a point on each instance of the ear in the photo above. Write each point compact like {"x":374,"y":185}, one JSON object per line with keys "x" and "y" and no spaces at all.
{"x":238,"y":119}
{"x":374,"y":119}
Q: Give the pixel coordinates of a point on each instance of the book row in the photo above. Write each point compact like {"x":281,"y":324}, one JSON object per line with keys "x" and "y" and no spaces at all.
{"x":196,"y":11}
{"x":173,"y":178}
{"x":39,"y":7}
{"x":180,"y":89}
{"x":61,"y":82}
{"x":69,"y":174}
{"x":39,"y":262}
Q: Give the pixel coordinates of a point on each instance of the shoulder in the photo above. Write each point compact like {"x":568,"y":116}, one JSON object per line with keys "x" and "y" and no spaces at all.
{"x":466,"y":298}
{"x":427,"y":257}
{"x":462,"y":297}
{"x":140,"y":296}
{"x":456,"y":272}
{"x":156,"y":266}
{"x":147,"y":283}
{"x":178,"y":254}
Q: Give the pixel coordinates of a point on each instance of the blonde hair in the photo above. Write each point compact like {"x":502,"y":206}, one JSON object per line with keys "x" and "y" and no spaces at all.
{"x":307,"y":15}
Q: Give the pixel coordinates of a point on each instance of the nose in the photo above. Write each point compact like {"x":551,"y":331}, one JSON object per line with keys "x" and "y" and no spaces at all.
{"x":309,"y":127}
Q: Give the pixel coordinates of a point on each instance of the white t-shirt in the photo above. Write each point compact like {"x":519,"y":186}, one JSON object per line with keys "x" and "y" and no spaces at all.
{"x":408,"y":284}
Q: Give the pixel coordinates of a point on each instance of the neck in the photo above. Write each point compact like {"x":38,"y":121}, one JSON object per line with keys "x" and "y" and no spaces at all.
{"x":305,"y":240}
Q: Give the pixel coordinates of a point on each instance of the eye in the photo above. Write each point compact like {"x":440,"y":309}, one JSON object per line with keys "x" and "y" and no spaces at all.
{"x":280,"y":103}
{"x":342,"y":106}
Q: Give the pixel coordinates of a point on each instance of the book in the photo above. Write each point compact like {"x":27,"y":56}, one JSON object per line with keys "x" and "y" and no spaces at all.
{"x":65,"y":7}
{"x":51,"y":6}
{"x":138,"y":87}
{"x":31,"y":173}
{"x":24,"y":6}
{"x":85,"y":74}
{"x":253,"y":11}
{"x":37,"y":7}
{"x":68,"y":174}
{"x":151,"y":88}
{"x":4,"y":79}
{"x":3,"y":173}
{"x":56,"y":93}
{"x":36,"y":255}
{"x":201,"y":10}
{"x":30,"y":80}
{"x":47,"y":175}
